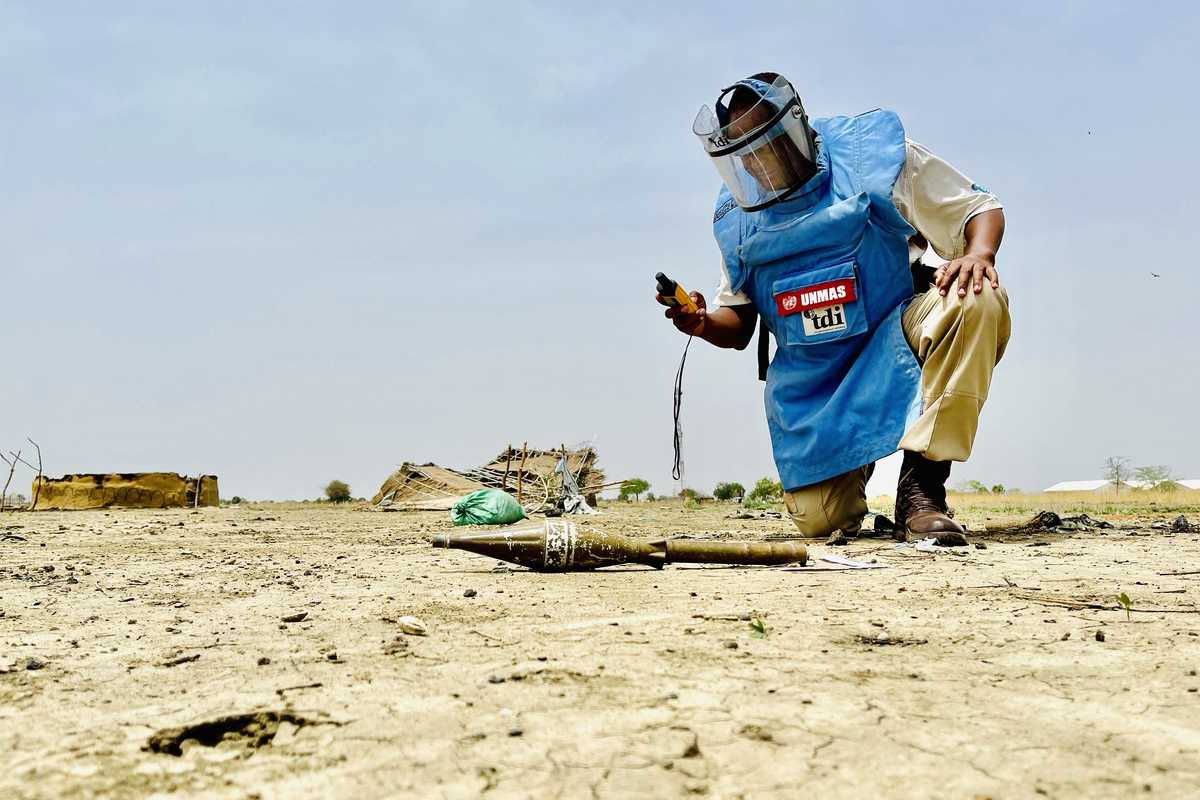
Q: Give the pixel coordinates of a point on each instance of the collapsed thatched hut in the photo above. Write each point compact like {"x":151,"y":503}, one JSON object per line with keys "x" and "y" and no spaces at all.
{"x":541,"y":463}
{"x":432,"y":487}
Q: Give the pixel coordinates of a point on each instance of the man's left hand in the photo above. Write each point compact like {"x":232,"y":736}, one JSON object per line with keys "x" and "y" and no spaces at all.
{"x":968,"y":269}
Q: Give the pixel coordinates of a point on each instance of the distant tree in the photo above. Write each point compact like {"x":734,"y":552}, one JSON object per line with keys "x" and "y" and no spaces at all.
{"x":1154,"y":477}
{"x":688,"y":494}
{"x":635,"y":487}
{"x":1013,"y":490}
{"x":337,"y":492}
{"x":970,"y":487}
{"x":1117,"y":469}
{"x":650,"y":497}
{"x":235,"y":500}
{"x":728,"y":491}
{"x":766,"y":491}
{"x":998,"y":488}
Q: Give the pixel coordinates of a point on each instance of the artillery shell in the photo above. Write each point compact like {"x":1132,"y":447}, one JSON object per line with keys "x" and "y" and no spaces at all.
{"x":560,"y":545}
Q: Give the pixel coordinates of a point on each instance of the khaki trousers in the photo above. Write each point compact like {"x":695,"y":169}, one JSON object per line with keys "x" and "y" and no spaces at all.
{"x":958,"y":341}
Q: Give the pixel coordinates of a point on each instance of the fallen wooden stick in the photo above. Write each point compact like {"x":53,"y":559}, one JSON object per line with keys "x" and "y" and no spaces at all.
{"x":1077,"y":605}
{"x":294,"y":688}
{"x":484,"y":635}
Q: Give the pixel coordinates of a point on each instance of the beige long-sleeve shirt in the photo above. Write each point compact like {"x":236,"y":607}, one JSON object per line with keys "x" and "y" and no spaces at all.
{"x":932,"y":196}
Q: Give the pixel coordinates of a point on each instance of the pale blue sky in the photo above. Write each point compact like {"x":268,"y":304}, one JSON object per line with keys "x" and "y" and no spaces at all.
{"x":287,"y":242}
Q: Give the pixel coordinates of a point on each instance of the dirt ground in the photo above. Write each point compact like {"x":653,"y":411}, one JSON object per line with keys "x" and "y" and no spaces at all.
{"x":144,"y":653}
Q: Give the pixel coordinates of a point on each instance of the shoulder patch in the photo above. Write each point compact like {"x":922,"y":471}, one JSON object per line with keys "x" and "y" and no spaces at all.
{"x":723,"y":209}
{"x":979,"y":188}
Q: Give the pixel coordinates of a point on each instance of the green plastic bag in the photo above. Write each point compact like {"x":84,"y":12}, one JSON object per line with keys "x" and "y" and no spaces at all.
{"x":489,"y":507}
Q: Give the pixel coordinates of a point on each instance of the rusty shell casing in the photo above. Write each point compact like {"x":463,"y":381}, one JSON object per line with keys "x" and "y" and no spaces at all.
{"x":553,"y":546}
{"x":561,"y":545}
{"x":701,"y":552}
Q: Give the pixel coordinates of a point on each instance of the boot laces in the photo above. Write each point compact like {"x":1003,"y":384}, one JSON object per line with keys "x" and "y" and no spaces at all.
{"x":918,"y":496}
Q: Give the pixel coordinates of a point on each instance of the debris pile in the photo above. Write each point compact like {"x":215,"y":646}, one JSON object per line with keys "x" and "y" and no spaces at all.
{"x":1049,"y":521}
{"x":748,"y":514}
{"x":1177,"y":525}
{"x":530,"y":475}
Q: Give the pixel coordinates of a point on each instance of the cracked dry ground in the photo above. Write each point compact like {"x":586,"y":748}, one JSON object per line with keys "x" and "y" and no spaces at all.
{"x":161,"y":632}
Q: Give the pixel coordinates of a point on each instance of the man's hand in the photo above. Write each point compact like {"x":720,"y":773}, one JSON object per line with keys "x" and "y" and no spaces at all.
{"x":968,"y":269}
{"x":692,"y":323}
{"x":983,"y":233}
{"x":726,"y":326}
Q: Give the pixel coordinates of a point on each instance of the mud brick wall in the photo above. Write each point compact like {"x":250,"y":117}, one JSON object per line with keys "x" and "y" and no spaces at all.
{"x":124,"y":490}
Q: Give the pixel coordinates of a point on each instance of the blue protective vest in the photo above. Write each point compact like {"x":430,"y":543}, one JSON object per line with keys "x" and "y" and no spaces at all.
{"x":828,"y":271}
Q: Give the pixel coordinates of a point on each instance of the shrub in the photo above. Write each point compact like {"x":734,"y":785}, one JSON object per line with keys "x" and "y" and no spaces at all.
{"x":728,"y":491}
{"x":633,"y":486}
{"x":1157,"y":477}
{"x":766,"y":491}
{"x":337,"y":492}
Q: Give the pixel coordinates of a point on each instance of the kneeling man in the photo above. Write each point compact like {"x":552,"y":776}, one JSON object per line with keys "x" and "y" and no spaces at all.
{"x":821,"y":229}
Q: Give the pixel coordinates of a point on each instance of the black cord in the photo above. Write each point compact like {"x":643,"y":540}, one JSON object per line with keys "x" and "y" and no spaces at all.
{"x":677,"y":472}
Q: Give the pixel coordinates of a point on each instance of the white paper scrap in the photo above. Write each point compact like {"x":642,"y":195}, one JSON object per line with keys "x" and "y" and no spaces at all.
{"x":844,"y":564}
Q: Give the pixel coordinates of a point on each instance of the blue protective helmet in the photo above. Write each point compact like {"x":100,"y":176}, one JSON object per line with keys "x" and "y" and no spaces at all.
{"x":759,"y":140}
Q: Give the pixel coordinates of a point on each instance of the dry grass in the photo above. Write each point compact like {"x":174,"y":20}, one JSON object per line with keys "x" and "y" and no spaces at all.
{"x":295,"y":505}
{"x":996,"y":512}
{"x":1185,"y":501}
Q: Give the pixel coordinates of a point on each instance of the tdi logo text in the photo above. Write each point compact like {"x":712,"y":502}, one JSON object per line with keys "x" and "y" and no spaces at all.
{"x":824,"y":320}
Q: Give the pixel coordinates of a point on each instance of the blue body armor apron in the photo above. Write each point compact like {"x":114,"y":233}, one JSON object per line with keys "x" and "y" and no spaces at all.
{"x":828,"y":271}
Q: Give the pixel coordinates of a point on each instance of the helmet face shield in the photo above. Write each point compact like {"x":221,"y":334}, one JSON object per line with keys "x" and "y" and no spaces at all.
{"x":765,"y":153}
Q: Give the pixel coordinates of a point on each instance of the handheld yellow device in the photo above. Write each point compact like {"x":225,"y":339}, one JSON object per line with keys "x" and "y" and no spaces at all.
{"x":673,"y":294}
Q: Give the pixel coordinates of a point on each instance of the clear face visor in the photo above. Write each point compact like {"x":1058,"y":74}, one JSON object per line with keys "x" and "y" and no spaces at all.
{"x":766,"y":153}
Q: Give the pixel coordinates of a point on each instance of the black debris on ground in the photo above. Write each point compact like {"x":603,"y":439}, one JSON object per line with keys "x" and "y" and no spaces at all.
{"x":252,"y":730}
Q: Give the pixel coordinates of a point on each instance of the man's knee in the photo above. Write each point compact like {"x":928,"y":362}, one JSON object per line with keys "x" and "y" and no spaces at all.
{"x":988,"y":311}
{"x":810,"y":518}
{"x":990,"y":306}
{"x":836,"y":504}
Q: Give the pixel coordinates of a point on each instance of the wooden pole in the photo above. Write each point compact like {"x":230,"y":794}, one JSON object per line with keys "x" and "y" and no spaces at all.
{"x":507,"y":459}
{"x":37,"y":489}
{"x":521,"y":472}
{"x":12,"y":466}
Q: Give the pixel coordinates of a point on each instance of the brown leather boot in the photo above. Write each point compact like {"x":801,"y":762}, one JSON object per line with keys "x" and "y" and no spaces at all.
{"x":921,"y":503}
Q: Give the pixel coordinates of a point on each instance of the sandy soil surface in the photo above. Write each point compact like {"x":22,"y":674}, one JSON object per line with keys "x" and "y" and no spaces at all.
{"x":146,"y":653}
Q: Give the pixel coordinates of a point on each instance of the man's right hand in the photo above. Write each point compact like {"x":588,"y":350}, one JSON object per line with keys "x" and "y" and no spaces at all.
{"x":726,"y":326}
{"x":692,"y":323}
